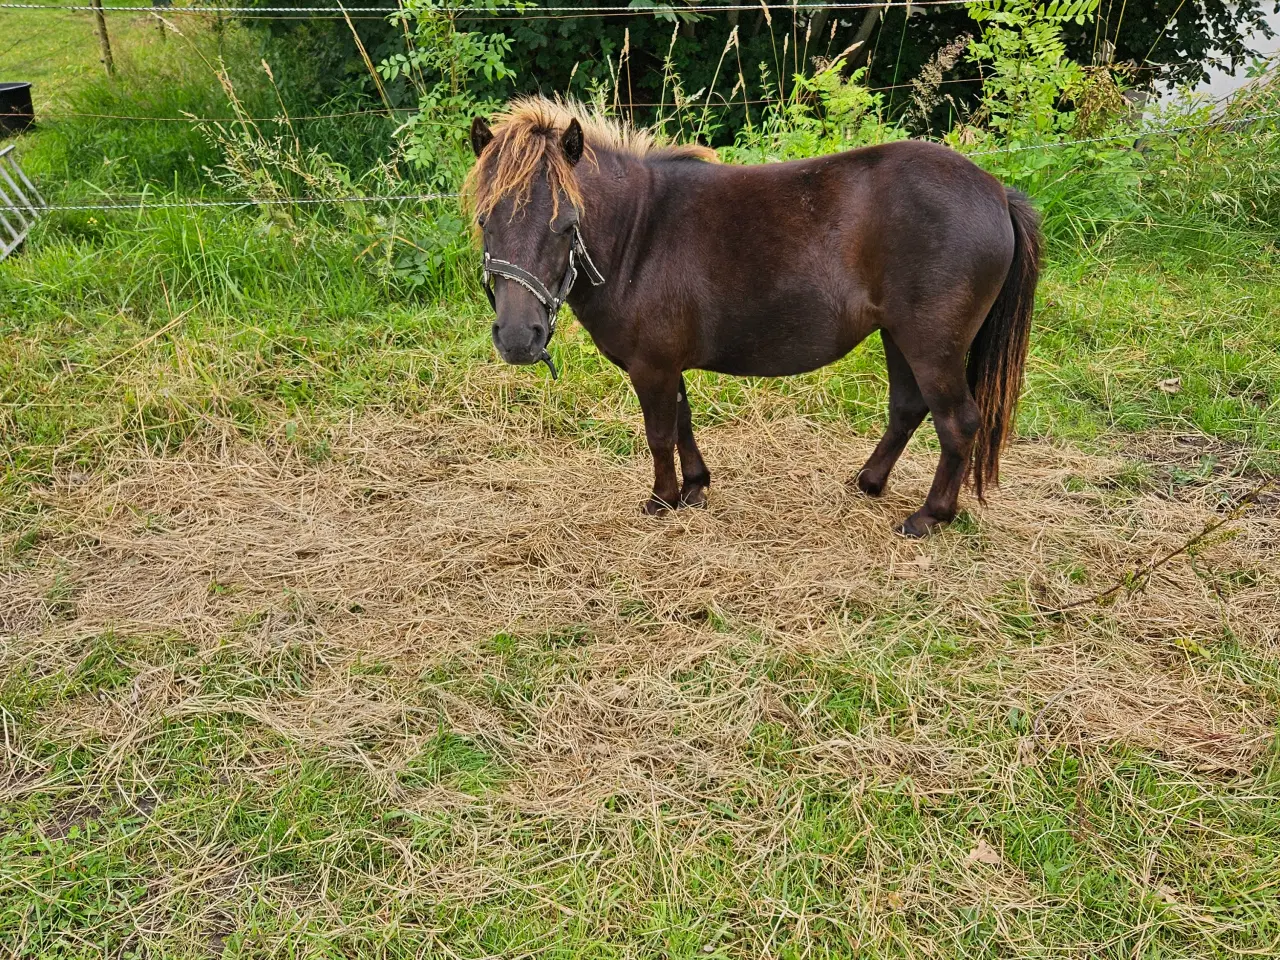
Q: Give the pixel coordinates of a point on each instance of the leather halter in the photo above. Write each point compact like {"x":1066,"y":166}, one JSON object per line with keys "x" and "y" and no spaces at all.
{"x":552,"y":302}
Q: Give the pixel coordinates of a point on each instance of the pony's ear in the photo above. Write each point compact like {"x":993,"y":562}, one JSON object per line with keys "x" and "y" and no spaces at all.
{"x":480,"y":135}
{"x":572,"y":141}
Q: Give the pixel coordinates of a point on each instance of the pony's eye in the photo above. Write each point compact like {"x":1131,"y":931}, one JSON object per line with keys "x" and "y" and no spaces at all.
{"x":480,"y":222}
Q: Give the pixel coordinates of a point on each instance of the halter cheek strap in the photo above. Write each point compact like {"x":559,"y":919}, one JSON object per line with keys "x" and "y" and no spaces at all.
{"x":551,"y":302}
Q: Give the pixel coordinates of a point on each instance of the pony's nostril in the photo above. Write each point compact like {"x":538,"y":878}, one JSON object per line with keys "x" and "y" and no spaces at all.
{"x":537,"y":333}
{"x":495,"y":331}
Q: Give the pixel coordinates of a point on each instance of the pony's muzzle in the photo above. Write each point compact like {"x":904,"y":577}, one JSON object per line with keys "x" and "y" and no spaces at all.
{"x":520,"y":343}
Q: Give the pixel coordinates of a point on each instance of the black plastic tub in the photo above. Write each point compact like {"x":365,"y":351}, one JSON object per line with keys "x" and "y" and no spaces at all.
{"x":16,"y":111}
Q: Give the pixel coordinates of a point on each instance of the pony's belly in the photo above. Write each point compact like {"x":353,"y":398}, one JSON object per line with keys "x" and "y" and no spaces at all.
{"x":779,"y":348}
{"x":771,"y":366}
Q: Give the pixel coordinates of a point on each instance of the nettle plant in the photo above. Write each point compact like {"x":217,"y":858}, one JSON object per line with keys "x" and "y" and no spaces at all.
{"x":446,"y":65}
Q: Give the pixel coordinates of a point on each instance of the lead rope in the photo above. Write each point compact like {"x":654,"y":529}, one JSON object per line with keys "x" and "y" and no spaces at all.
{"x":550,"y":302}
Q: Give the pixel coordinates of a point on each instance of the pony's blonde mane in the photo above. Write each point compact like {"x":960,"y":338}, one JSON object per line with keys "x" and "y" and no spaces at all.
{"x":526,"y":141}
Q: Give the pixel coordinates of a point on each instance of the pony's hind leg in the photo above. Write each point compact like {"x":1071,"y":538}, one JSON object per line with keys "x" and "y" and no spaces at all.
{"x":906,"y":409}
{"x":693,"y":469}
{"x":956,"y":418}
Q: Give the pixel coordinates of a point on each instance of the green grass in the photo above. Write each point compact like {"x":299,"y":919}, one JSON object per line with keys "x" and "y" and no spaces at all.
{"x":906,"y":786}
{"x":58,"y":52}
{"x":229,"y":834}
{"x":121,"y":331}
{"x":1112,"y":332}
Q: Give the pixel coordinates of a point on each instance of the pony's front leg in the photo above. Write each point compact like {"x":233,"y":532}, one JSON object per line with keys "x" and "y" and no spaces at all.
{"x":658,"y":391}
{"x":693,"y":469}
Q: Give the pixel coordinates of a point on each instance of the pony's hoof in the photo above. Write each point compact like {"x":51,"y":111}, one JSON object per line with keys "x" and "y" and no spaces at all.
{"x":694,"y":495}
{"x":655,"y":507}
{"x":868,"y":486}
{"x":916,"y":526}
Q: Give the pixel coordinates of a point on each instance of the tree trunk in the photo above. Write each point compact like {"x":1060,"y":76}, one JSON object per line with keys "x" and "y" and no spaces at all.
{"x":861,"y":44}
{"x":818,"y":25}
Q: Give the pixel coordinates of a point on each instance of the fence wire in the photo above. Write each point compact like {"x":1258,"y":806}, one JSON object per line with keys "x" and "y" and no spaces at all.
{"x":141,"y":204}
{"x":472,"y":13}
{"x":1132,"y":135}
{"x":385,"y":112}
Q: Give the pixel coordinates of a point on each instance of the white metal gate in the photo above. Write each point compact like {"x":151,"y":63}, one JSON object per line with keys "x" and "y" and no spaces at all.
{"x":20,"y":202}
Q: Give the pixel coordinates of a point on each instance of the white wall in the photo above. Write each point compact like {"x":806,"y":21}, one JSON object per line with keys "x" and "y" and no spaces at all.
{"x":1221,"y":83}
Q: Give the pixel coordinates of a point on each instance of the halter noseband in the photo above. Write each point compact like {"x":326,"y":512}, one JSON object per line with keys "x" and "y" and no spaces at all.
{"x":552,"y":302}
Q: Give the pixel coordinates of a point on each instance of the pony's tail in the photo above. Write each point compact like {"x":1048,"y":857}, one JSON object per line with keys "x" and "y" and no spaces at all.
{"x":999,"y":351}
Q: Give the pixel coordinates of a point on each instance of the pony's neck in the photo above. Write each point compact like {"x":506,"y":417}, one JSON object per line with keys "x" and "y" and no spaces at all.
{"x":613,"y":213}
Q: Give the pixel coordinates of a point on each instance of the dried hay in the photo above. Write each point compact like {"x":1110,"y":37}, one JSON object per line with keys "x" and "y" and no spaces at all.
{"x":628,"y":675}
{"x":416,"y":543}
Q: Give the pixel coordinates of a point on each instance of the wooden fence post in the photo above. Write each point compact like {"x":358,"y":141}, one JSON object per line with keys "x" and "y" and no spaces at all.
{"x":103,"y":40}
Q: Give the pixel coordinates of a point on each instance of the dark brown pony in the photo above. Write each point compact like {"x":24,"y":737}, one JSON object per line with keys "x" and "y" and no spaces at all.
{"x":764,"y":271}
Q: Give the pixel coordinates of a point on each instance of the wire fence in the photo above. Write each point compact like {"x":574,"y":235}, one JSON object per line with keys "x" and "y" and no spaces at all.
{"x":141,"y":203}
{"x":376,"y":112}
{"x":1133,"y":135}
{"x":383,"y":111}
{"x":497,"y":13}
{"x":522,"y":9}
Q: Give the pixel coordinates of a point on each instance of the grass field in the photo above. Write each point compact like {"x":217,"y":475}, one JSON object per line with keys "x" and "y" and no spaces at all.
{"x":57,"y":53}
{"x":323,"y":634}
